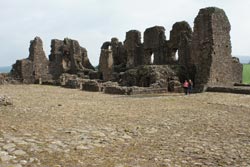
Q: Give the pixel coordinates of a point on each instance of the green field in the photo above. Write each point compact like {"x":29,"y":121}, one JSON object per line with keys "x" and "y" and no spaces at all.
{"x":246,"y":73}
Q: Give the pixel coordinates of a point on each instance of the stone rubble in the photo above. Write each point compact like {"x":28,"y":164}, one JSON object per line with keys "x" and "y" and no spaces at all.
{"x":5,"y":101}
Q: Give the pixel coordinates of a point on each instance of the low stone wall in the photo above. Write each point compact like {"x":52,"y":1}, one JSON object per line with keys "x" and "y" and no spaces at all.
{"x":116,"y":90}
{"x":144,"y":90}
{"x":237,"y":90}
{"x":121,"y":90}
{"x":241,"y":84}
{"x":91,"y":85}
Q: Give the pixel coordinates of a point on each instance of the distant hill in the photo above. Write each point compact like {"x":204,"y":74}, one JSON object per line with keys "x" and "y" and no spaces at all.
{"x":5,"y":69}
{"x":244,"y":59}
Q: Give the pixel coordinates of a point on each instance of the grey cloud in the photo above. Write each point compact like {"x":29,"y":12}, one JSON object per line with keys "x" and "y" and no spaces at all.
{"x":92,"y":22}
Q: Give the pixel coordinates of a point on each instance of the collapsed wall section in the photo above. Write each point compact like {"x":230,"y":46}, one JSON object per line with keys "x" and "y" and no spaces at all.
{"x":67,"y":56}
{"x":35,"y":67}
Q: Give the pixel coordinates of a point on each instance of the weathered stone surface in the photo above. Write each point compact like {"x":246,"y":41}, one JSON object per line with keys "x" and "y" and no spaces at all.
{"x":109,"y":83}
{"x":2,"y":79}
{"x":204,"y":56}
{"x":134,"y":49}
{"x":237,"y":69}
{"x":69,"y":81}
{"x":6,"y":78}
{"x":95,"y":75}
{"x":19,"y":152}
{"x":55,"y":58}
{"x":154,"y":37}
{"x":91,"y":85}
{"x":175,"y":86}
{"x":229,"y":89}
{"x":85,"y":60}
{"x":145,"y":90}
{"x":157,"y":76}
{"x":116,"y":90}
{"x":67,"y":56}
{"x":106,"y":64}
{"x":22,"y":70}
{"x":211,"y":48}
{"x":39,"y":59}
{"x":118,"y":52}
{"x":5,"y":101}
{"x":180,"y":43}
{"x":154,"y":45}
{"x":35,"y":67}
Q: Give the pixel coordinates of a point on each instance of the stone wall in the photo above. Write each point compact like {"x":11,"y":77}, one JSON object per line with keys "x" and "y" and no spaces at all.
{"x":35,"y":67}
{"x":134,"y":49}
{"x":180,"y":43}
{"x":155,"y":45}
{"x":38,"y":58}
{"x":155,"y":76}
{"x":68,"y":56}
{"x":106,"y":64}
{"x":203,"y":56}
{"x":22,"y":70}
{"x":211,"y":48}
{"x":237,"y":69}
{"x":118,"y":52}
{"x":55,"y":58}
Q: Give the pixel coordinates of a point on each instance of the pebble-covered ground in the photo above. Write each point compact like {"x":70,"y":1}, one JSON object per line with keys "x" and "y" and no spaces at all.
{"x":56,"y":127}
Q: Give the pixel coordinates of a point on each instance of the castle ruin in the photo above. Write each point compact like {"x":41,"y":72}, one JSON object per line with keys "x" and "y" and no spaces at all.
{"x":203,"y":55}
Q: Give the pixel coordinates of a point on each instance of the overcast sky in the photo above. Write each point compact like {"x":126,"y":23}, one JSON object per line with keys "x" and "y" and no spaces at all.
{"x":93,"y":22}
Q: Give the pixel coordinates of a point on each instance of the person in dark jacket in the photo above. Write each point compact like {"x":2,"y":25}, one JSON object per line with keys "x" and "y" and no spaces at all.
{"x":190,"y":86}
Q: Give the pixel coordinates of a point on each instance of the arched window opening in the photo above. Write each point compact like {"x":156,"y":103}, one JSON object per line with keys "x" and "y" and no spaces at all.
{"x":176,"y":55}
{"x":152,"y":58}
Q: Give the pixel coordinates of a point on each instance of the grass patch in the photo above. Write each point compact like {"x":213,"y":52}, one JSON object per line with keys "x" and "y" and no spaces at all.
{"x":246,"y":73}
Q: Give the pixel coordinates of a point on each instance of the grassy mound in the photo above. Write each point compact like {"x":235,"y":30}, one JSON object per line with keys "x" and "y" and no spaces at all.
{"x":246,"y":73}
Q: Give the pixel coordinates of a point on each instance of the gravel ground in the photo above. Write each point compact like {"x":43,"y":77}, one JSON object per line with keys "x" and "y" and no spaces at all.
{"x":57,"y":127}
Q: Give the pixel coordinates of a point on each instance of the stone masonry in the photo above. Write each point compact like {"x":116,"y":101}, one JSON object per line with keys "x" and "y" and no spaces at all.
{"x":180,"y":41}
{"x":134,"y":48}
{"x":154,"y":45}
{"x":106,"y":64}
{"x":68,"y":56}
{"x":35,"y":67}
{"x":211,"y":49}
{"x":204,"y":56}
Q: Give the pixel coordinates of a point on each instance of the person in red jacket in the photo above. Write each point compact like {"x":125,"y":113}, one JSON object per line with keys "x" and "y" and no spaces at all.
{"x":185,"y":86}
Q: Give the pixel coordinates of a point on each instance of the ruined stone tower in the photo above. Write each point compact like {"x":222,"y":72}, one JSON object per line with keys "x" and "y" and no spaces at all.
{"x":35,"y":67}
{"x":134,"y":48}
{"x":211,"y":49}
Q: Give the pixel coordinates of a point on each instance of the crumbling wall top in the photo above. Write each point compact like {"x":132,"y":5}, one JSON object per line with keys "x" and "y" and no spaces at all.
{"x":154,"y":37}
